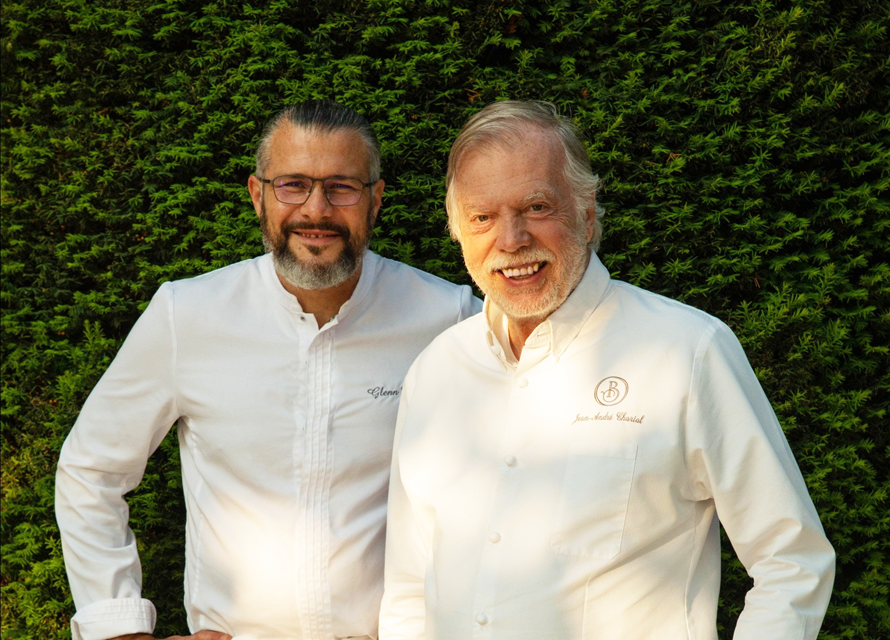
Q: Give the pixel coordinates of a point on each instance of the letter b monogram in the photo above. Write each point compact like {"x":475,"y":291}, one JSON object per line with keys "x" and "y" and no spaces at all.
{"x":610,"y":391}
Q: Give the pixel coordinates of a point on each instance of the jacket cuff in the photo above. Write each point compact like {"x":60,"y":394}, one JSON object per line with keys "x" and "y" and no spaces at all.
{"x":111,"y":618}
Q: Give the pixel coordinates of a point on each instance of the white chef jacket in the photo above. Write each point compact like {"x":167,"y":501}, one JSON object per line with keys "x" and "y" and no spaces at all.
{"x":573,"y":494}
{"x":285,"y":433}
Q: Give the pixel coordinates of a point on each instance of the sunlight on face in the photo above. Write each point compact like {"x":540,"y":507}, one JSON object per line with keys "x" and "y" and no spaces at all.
{"x":523,"y":242}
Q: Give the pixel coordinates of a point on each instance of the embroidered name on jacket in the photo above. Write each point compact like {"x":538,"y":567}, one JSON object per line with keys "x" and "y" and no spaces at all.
{"x":383,"y":392}
{"x":621,"y":416}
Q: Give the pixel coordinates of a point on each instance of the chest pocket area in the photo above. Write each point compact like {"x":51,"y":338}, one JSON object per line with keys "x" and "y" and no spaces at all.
{"x":594,"y":498}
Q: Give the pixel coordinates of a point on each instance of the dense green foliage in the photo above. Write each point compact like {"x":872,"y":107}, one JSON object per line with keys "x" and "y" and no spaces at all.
{"x":745,"y":152}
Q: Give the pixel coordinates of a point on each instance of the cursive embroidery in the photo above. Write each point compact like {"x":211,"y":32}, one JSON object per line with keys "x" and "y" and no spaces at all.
{"x":383,"y":392}
{"x":598,"y":416}
{"x":608,"y":416}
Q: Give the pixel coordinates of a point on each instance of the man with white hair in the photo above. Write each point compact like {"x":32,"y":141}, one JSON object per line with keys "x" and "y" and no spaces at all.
{"x":283,"y":374}
{"x":561,"y":458}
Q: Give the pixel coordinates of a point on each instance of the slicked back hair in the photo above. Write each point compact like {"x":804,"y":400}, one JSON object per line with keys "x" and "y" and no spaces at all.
{"x":321,"y":116}
{"x":505,"y":123}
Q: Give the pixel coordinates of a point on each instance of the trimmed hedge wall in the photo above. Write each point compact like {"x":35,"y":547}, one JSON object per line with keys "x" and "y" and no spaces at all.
{"x":744,"y":152}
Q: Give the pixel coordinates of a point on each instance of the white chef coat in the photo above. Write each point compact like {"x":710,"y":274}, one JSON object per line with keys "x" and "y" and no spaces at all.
{"x":573,"y":494}
{"x":285,"y":433}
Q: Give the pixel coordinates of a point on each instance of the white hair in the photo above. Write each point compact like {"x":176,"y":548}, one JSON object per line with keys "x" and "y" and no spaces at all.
{"x":507,"y":122}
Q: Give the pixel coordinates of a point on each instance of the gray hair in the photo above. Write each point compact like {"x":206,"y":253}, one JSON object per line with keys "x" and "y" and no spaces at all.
{"x":508,"y":121}
{"x":322,"y":116}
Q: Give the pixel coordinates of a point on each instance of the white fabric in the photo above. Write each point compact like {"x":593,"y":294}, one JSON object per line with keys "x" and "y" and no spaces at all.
{"x":285,"y":434}
{"x":522,"y":508}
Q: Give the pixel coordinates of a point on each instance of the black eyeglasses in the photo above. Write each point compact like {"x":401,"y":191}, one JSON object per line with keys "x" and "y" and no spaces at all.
{"x":340,"y":192}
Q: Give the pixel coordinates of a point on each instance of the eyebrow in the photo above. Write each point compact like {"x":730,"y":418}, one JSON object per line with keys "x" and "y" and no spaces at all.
{"x":337,"y":176}
{"x":537,"y":195}
{"x":469,"y":207}
{"x":544,"y":194}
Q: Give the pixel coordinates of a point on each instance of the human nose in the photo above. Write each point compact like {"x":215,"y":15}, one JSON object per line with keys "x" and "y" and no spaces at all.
{"x":513,"y":234}
{"x":317,"y":203}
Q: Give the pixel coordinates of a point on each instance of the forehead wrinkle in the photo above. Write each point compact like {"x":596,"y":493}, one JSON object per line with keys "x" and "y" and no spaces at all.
{"x":294,"y":144}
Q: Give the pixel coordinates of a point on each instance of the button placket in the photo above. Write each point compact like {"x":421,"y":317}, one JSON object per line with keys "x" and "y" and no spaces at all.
{"x":492,"y":550}
{"x":316,"y":471}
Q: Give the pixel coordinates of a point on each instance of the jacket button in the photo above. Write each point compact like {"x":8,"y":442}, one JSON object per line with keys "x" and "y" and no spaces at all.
{"x":481,"y":618}
{"x":510,"y":461}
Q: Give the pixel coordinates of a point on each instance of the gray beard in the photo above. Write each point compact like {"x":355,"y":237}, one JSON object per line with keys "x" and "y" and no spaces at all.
{"x":575,"y":258}
{"x":315,"y":276}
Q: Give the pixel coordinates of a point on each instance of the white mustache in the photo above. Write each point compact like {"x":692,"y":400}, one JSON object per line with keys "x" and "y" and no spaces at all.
{"x":513,"y":260}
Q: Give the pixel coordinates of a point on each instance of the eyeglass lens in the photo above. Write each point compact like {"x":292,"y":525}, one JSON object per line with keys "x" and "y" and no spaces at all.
{"x":340,"y":192}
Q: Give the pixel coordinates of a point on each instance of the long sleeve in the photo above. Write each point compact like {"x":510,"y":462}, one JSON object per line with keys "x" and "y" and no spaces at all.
{"x":402,"y":612}
{"x":123,"y":421}
{"x":737,"y":455}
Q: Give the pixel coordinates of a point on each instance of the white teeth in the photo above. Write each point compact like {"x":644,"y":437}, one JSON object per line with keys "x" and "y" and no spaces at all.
{"x":521,"y":271}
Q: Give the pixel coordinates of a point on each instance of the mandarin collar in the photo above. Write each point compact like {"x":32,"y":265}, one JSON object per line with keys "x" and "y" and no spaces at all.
{"x":563,"y":325}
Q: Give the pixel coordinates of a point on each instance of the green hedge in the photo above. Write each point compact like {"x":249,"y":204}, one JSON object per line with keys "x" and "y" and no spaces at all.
{"x":744,"y":152}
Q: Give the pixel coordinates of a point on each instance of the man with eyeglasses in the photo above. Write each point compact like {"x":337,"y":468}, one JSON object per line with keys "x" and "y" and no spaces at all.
{"x":283,"y":374}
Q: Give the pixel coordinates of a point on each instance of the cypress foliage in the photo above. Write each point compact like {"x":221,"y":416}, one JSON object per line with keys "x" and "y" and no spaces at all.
{"x":745,"y":152}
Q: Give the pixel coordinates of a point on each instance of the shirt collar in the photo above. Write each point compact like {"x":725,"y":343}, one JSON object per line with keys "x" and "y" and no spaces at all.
{"x":562,"y":326}
{"x":370,"y":266}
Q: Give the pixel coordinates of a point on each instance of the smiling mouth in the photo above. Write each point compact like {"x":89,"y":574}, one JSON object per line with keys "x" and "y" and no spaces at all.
{"x":315,"y":234}
{"x":517,"y":273}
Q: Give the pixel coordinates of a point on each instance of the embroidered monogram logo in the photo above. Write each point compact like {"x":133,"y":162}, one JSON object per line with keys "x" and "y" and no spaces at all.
{"x":383,"y":392}
{"x":610,"y":391}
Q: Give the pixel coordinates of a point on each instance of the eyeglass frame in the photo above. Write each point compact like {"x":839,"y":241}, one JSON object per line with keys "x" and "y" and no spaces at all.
{"x":365,"y":185}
